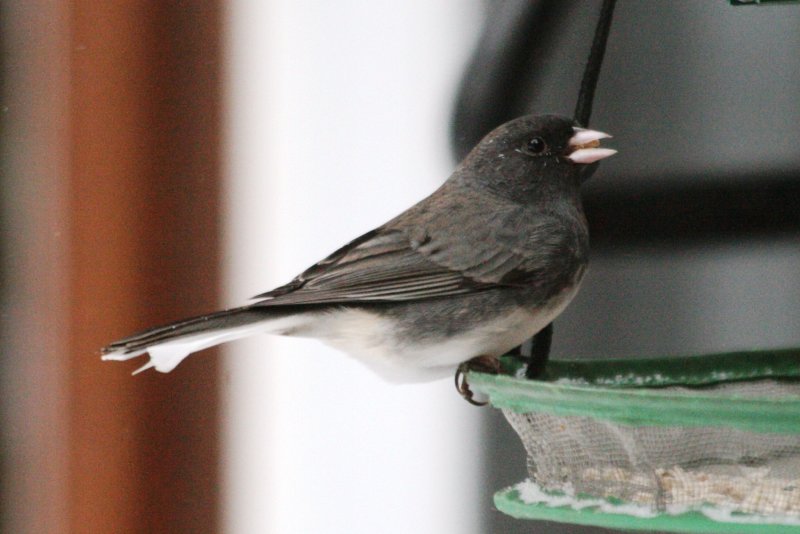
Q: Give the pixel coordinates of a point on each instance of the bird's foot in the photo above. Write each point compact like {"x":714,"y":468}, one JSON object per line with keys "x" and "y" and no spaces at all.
{"x":480,"y":364}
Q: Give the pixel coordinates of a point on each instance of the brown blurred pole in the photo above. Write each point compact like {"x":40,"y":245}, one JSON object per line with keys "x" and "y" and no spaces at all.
{"x":143,"y":197}
{"x":33,"y":285}
{"x":110,"y":209}
{"x":110,"y":176}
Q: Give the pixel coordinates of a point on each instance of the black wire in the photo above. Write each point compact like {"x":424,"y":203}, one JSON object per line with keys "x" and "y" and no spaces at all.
{"x":583,"y":109}
{"x":540,"y":352}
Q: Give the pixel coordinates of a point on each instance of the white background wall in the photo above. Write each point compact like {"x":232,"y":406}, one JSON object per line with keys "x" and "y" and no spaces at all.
{"x":337,"y":120}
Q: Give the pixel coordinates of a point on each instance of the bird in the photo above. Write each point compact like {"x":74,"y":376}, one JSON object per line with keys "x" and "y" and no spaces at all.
{"x":483,"y":263}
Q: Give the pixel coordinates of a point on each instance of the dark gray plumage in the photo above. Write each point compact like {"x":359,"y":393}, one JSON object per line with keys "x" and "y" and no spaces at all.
{"x":471,"y":271}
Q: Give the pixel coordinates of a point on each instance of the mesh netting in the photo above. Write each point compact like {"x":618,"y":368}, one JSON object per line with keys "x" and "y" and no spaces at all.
{"x":669,"y":468}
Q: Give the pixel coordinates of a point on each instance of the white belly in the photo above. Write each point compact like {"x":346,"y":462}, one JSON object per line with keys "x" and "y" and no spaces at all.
{"x":372,"y":339}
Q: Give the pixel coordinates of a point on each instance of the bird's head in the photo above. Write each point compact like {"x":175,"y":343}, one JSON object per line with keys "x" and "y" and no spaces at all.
{"x":535,"y":152}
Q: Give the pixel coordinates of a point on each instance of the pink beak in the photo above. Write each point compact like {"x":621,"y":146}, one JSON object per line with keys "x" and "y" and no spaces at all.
{"x":585,"y":146}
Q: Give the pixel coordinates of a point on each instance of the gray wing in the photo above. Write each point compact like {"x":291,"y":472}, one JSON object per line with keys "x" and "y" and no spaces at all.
{"x":501,"y":244}
{"x":380,"y":266}
{"x":401,"y":262}
{"x":515,"y":248}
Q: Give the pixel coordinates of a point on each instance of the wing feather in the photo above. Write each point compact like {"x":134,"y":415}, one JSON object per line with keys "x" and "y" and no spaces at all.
{"x":419,"y":255}
{"x":382,"y":267}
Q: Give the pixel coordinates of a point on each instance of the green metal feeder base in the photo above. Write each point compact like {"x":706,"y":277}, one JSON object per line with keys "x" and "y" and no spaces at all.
{"x":693,"y":444}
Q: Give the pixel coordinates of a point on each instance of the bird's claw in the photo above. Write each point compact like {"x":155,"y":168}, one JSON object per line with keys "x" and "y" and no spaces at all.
{"x":481,"y":364}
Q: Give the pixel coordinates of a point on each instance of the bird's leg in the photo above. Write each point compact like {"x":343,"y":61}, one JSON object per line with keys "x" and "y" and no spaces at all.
{"x":480,"y":364}
{"x":540,"y":352}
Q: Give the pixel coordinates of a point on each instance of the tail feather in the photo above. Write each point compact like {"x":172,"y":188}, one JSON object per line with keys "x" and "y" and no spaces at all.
{"x":168,"y":345}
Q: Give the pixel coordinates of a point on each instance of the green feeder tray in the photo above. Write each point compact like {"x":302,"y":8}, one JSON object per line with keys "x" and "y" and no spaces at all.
{"x":694,"y":444}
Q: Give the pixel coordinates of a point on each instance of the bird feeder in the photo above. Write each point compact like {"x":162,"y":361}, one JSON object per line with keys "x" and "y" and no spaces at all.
{"x":695,"y":444}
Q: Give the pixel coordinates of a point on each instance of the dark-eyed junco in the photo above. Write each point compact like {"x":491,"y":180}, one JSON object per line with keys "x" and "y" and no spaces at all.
{"x":471,"y":271}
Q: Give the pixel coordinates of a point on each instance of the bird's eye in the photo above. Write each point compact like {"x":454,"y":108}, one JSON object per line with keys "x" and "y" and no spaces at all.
{"x":536,"y":146}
